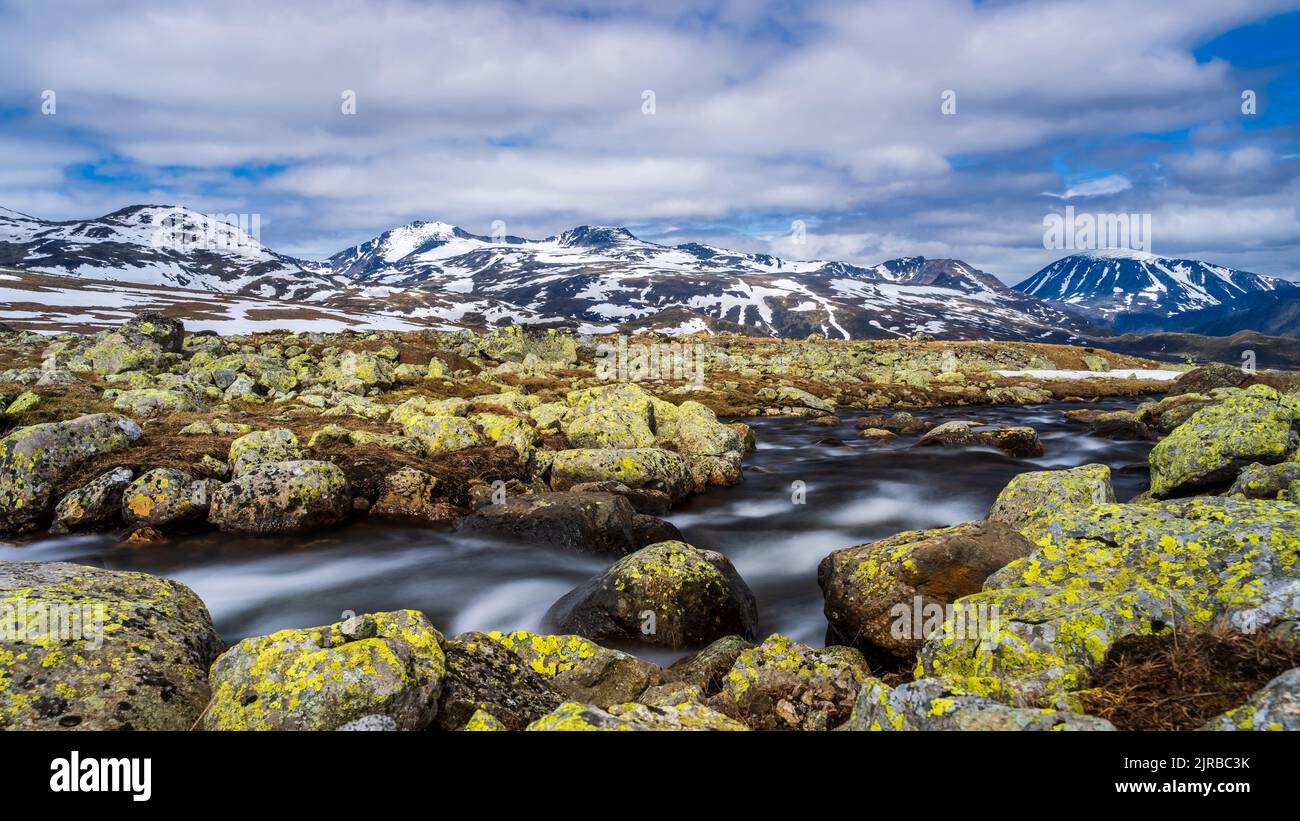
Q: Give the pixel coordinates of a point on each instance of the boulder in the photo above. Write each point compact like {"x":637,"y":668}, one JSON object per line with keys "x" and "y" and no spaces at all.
{"x":165,"y":496}
{"x":509,"y":432}
{"x":409,"y":495}
{"x":892,"y":594}
{"x":1275,"y":707}
{"x":1020,"y":441}
{"x":1052,"y":493}
{"x":264,"y":446}
{"x":652,"y":468}
{"x":805,"y":398}
{"x":669,"y":594}
{"x":1266,"y":481}
{"x":282,"y":497}
{"x":321,"y":678}
{"x":147,"y":403}
{"x":33,"y":460}
{"x":99,"y":649}
{"x":574,"y":716}
{"x":582,"y":669}
{"x":1256,"y":425}
{"x":94,"y":503}
{"x":483,"y":676}
{"x":586,"y":522}
{"x":784,"y":685}
{"x":1107,"y":571}
{"x":945,"y":704}
{"x":441,"y":434}
{"x":706,"y":669}
{"x":1208,"y":377}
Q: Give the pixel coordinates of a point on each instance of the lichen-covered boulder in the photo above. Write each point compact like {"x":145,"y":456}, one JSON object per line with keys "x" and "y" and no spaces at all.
{"x":263,"y":446}
{"x":784,"y":685}
{"x":652,"y":468}
{"x":321,"y":678}
{"x":482,"y":721}
{"x":150,"y":402}
{"x":359,"y":371}
{"x":1018,"y":441}
{"x":574,"y":716}
{"x":715,"y":471}
{"x":697,"y":432}
{"x":582,"y":669}
{"x":668,"y":594}
{"x":586,"y":522}
{"x":508,"y":432}
{"x":1052,"y":492}
{"x":513,"y":343}
{"x":33,"y":460}
{"x":805,"y":398}
{"x":1256,"y":425}
{"x":24,"y":402}
{"x":1266,"y":481}
{"x":893,"y":593}
{"x":945,"y":704}
{"x":96,"y":502}
{"x":609,"y":428}
{"x":282,"y":497}
{"x":96,"y":649}
{"x":409,"y":495}
{"x":441,"y":434}
{"x":485,"y":677}
{"x":1108,"y":571}
{"x":423,"y":406}
{"x":1275,"y":707}
{"x":707,"y":668}
{"x":165,"y":496}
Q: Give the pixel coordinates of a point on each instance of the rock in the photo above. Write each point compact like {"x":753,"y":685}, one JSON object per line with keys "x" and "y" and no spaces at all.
{"x":715,"y":471}
{"x":609,"y":428}
{"x":1020,"y":442}
{"x":875,"y":433}
{"x":408,"y":495}
{"x":893,"y":593}
{"x":670,"y":694}
{"x":149,"y":402}
{"x":441,"y":434}
{"x":707,"y":668}
{"x":154,"y":328}
{"x":1121,"y":425}
{"x":943,"y":704}
{"x":805,"y":398}
{"x":164,"y":496}
{"x":33,"y":460}
{"x":94,"y":503}
{"x":144,"y":535}
{"x":1108,"y":571}
{"x":509,"y":432}
{"x":652,"y":468}
{"x":484,"y":677}
{"x":198,"y":427}
{"x":668,"y":595}
{"x":420,"y":406}
{"x":372,"y":723}
{"x":358,"y":371}
{"x":24,"y":402}
{"x":586,"y":522}
{"x":282,"y":497}
{"x":483,"y":721}
{"x":262,"y":447}
{"x":699,"y":433}
{"x":1266,"y":481}
{"x":784,"y":685}
{"x":131,"y":651}
{"x":1208,"y":377}
{"x":608,"y":678}
{"x":648,"y":530}
{"x":144,"y":343}
{"x":1218,"y":441}
{"x":643,"y":500}
{"x":574,"y":716}
{"x":321,"y":678}
{"x":900,"y":422}
{"x":1275,"y":707}
{"x":1052,"y":492}
{"x":513,"y":343}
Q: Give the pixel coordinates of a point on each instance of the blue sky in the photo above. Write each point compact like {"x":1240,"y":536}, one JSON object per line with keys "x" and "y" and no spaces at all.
{"x":533,"y":113}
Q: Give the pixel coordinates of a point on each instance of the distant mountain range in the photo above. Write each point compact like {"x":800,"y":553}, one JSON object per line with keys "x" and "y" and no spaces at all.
{"x":604,"y":278}
{"x":1137,"y":292}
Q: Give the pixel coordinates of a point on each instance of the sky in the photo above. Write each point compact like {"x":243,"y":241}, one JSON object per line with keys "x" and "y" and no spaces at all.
{"x":930,"y":127}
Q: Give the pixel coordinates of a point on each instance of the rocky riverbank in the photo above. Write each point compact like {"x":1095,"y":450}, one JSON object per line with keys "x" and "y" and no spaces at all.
{"x":153,"y":434}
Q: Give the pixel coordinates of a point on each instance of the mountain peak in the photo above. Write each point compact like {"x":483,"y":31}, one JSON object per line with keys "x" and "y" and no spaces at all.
{"x":595,"y":236}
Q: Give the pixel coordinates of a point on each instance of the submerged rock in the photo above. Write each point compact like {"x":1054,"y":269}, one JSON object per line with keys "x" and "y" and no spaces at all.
{"x":322,"y":678}
{"x":668,"y":594}
{"x":99,"y":649}
{"x":1020,"y":442}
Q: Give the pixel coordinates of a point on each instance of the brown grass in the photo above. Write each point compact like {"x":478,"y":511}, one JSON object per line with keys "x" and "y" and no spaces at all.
{"x":1182,"y":680}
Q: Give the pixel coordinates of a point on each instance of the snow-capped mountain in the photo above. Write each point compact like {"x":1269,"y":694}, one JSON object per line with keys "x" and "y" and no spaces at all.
{"x":599,"y":278}
{"x":604,"y":277}
{"x":1138,"y":291}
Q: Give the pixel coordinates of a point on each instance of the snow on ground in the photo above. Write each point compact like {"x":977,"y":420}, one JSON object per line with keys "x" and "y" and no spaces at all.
{"x":1117,"y":373}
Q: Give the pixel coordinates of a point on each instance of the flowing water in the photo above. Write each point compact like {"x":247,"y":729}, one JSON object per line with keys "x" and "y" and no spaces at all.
{"x":852,"y":491}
